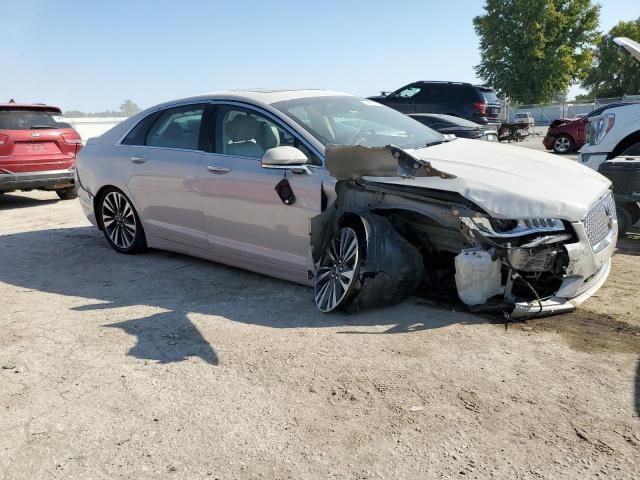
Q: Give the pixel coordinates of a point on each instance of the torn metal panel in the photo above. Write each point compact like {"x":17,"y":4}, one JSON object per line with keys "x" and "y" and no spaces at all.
{"x":352,"y":162}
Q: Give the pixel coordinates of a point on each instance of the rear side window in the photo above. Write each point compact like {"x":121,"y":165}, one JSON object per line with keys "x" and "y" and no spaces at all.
{"x":433,"y":92}
{"x":466,"y":94}
{"x":22,"y":119}
{"x":177,"y":127}
{"x":489,"y":95}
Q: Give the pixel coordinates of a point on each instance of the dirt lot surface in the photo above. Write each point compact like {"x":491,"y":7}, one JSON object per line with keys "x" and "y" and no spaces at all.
{"x":162,"y":366}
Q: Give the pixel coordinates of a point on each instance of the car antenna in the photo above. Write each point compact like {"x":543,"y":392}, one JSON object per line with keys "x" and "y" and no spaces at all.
{"x":12,"y":101}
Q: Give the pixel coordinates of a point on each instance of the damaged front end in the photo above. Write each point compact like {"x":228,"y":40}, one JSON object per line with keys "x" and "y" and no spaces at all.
{"x":418,"y":239}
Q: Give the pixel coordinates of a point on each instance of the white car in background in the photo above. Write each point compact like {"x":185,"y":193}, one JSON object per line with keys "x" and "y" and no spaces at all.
{"x":354,"y":198}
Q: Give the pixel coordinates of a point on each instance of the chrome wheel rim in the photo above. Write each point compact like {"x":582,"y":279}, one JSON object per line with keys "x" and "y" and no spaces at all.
{"x":118,"y":220}
{"x":337,"y":270}
{"x":562,"y":144}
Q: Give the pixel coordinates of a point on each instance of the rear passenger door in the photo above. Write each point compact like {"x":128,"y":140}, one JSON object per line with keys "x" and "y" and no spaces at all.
{"x":161,"y":173}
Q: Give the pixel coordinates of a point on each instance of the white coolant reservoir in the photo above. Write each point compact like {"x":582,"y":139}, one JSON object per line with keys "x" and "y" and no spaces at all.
{"x":478,"y":276}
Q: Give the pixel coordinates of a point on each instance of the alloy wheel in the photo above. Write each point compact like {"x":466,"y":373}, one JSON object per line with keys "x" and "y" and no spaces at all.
{"x":337,"y":270}
{"x":562,"y":145}
{"x":119,"y":220}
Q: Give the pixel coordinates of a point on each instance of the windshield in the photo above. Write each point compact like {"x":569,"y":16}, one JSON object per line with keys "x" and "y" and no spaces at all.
{"x":348,"y":121}
{"x":23,"y":119}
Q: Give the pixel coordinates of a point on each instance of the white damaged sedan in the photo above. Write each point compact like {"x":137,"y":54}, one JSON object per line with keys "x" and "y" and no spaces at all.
{"x":360,"y":201}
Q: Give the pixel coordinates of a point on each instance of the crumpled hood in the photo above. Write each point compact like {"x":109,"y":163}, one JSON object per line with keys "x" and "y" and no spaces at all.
{"x":509,"y":181}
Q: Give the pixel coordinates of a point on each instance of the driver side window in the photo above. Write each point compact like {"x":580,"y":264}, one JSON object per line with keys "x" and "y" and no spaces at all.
{"x":409,"y":92}
{"x":245,"y":133}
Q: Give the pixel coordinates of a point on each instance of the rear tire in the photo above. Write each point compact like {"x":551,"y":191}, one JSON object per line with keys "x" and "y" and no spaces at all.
{"x":120,"y":223}
{"x":68,"y":193}
{"x":563,"y":144}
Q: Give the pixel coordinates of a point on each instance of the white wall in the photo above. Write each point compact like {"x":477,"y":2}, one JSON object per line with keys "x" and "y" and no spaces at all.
{"x":89,"y":127}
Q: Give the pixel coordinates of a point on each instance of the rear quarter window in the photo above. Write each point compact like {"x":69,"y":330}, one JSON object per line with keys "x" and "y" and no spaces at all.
{"x":489,"y":95}
{"x":23,"y":119}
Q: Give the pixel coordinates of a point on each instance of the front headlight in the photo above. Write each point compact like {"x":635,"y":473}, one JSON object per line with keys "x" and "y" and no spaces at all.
{"x":496,"y":227}
{"x":600,"y":126}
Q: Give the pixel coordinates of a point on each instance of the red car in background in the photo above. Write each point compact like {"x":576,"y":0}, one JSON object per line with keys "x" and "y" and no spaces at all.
{"x":568,"y":134}
{"x":565,"y":134}
{"x":37,"y":149}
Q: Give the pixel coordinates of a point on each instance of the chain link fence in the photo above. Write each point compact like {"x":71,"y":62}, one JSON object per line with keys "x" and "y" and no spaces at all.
{"x":545,"y":114}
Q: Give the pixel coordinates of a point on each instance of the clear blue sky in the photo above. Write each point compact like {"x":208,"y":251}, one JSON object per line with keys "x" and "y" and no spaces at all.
{"x":91,"y":55}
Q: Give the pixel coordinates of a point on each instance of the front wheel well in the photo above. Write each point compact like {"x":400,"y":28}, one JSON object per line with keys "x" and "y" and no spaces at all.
{"x":565,"y":134}
{"x":625,"y":143}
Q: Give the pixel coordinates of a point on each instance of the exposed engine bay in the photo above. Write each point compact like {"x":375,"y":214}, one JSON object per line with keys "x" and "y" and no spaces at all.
{"x":421,"y":240}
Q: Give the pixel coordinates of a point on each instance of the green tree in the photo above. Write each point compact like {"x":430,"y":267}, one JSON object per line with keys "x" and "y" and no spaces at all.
{"x":615,"y":72}
{"x":532,"y":50}
{"x":129,"y":108}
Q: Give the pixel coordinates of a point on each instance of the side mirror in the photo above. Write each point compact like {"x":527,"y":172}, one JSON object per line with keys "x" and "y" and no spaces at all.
{"x":285,"y":158}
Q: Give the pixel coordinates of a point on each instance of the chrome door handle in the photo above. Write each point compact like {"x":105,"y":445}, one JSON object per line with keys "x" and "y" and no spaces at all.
{"x":218,"y":170}
{"x":138,"y":159}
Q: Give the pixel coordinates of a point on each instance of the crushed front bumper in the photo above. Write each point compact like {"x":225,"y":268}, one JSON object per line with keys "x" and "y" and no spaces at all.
{"x":51,"y":180}
{"x":556,"y":305}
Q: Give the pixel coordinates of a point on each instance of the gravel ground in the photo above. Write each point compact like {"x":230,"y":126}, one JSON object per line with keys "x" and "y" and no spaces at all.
{"x":163,"y":366}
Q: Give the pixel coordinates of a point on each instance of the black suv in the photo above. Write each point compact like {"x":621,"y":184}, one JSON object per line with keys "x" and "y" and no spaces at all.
{"x":475,"y":103}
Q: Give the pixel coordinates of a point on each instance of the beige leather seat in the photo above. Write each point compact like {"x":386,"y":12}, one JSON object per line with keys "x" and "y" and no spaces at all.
{"x":242,"y":132}
{"x":268,"y":136}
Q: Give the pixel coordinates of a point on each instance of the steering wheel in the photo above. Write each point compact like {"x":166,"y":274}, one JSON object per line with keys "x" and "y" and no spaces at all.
{"x":361,"y":135}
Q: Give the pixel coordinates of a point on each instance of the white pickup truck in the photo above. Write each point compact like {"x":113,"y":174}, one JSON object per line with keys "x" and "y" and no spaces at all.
{"x":616,"y":131}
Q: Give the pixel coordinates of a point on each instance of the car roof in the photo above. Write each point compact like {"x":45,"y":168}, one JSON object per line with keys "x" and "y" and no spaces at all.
{"x":264,"y":96}
{"x":29,"y":106}
{"x":483,"y":88}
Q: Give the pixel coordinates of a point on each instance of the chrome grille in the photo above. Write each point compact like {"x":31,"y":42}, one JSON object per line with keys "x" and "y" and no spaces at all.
{"x":599,"y":221}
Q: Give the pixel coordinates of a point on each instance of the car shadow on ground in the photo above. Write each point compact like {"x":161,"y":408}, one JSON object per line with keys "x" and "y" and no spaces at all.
{"x":12,"y":202}
{"x":77,"y":262}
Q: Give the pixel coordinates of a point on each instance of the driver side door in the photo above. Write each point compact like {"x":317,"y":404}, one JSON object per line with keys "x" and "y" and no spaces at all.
{"x":248,"y":224}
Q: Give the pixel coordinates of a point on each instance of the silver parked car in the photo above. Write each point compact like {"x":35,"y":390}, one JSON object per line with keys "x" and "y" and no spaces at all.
{"x":353,"y":198}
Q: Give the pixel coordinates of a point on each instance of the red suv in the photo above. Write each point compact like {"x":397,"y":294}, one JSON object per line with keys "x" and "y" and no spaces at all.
{"x":37,"y":149}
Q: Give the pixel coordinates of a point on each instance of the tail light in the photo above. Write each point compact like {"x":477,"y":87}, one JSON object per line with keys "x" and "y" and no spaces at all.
{"x":480,"y":107}
{"x":3,"y":139}
{"x":71,"y":138}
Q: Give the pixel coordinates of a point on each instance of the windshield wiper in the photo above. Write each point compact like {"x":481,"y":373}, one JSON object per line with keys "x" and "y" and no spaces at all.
{"x":38,"y":127}
{"x":431,"y":144}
